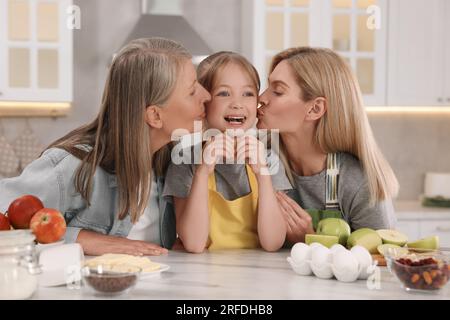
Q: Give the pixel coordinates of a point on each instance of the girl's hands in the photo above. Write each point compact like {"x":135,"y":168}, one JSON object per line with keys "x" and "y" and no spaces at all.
{"x":252,"y":151}
{"x":298,"y":221}
{"x":248,"y":149}
{"x":220,"y":147}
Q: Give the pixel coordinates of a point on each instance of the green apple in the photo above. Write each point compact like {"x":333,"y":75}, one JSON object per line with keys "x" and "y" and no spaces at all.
{"x":383,"y":249}
{"x":327,"y":241}
{"x":365,"y":237}
{"x":430,"y":243}
{"x":334,"y":227}
{"x":393,"y":237}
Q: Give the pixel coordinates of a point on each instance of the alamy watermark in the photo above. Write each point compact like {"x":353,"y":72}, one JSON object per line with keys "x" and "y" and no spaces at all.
{"x":190,"y":148}
{"x":73,"y":20}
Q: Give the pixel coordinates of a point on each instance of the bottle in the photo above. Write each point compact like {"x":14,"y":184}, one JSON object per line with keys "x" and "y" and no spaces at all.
{"x":18,"y":264}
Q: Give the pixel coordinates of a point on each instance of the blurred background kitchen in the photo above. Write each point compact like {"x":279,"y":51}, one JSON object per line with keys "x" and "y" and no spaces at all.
{"x":54,"y":57}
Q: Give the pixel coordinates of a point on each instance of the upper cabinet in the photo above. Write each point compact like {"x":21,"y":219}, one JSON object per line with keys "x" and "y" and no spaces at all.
{"x":419,"y":53}
{"x":343,"y":25}
{"x":35,"y":51}
{"x":446,"y":40}
{"x":403,"y":61}
{"x":356,"y":29}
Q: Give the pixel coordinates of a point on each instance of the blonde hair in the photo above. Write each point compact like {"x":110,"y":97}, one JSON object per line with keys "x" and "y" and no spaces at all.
{"x":143,"y":73}
{"x":208,"y":69}
{"x":345,"y":126}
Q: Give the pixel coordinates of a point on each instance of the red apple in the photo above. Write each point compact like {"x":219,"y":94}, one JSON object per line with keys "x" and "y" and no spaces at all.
{"x":4,"y":222}
{"x":22,"y":209}
{"x":48,"y":225}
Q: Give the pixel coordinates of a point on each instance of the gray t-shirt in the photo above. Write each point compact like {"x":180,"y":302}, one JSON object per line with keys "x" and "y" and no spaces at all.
{"x":353,"y":195}
{"x":231,"y":179}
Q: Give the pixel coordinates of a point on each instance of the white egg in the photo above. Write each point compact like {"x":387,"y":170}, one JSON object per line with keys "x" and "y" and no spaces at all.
{"x":300,"y":253}
{"x":321,"y":262}
{"x":336,"y":247}
{"x":302,"y":268}
{"x":364,"y":259}
{"x":345,"y":266}
{"x":315,"y":245}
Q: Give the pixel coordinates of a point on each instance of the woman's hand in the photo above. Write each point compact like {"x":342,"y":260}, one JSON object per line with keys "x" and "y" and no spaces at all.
{"x":298,"y":221}
{"x":252,"y":151}
{"x":95,"y":244}
{"x":220,"y":147}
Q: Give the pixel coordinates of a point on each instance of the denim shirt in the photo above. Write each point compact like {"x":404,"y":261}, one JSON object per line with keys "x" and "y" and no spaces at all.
{"x":51,"y":179}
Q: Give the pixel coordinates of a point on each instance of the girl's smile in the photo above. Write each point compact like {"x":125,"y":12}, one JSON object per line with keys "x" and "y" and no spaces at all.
{"x":234,"y":100}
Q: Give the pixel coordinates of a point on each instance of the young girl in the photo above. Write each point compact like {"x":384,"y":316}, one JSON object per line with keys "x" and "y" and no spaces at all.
{"x":332,"y":157}
{"x":220,"y":206}
{"x":100,"y":175}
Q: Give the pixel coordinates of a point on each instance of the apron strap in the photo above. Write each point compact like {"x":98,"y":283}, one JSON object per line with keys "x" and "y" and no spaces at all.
{"x":332,"y":182}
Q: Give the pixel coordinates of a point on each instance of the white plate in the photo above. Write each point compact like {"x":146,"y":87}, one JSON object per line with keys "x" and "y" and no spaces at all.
{"x":163,"y":268}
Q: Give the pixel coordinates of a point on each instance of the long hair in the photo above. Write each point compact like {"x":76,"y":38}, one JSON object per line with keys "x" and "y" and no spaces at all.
{"x":345,"y":126}
{"x":208,"y":69}
{"x":143,"y":73}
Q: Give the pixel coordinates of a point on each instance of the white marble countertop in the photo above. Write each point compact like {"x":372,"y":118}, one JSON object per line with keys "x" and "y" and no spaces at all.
{"x":414,"y":210}
{"x":244,"y":274}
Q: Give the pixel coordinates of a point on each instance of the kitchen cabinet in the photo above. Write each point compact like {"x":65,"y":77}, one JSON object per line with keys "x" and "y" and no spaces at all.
{"x":273,"y":25}
{"x":419,"y":222}
{"x":440,"y":228}
{"x":409,"y":227}
{"x":446,"y":93}
{"x":418,"y":229}
{"x":35,"y":51}
{"x":419,"y":53}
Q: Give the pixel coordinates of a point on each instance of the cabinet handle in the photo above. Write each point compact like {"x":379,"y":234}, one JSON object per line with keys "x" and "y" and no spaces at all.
{"x":440,"y":100}
{"x":443,"y":229}
{"x":448,"y":99}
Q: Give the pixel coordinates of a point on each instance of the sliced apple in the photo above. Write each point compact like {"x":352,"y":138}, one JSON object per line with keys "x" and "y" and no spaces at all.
{"x":334,"y":227}
{"x":393,"y":237}
{"x":368,"y":238}
{"x":429,"y":243}
{"x":327,"y":241}
{"x":383,"y":249}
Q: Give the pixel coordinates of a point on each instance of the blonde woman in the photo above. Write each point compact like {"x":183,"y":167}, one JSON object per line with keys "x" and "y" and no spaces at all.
{"x":331,"y":156}
{"x":107,"y":177}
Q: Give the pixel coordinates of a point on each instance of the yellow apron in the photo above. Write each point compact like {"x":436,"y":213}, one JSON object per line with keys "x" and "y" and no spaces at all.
{"x":233,"y":223}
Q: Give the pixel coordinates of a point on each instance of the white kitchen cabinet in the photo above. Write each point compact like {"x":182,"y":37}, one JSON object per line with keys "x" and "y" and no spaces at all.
{"x":409,"y":227}
{"x":346,"y":30}
{"x":418,"y":37}
{"x":269,"y":26}
{"x":418,"y":222}
{"x":417,"y":229}
{"x":35,"y":51}
{"x":446,"y":92}
{"x":440,"y":228}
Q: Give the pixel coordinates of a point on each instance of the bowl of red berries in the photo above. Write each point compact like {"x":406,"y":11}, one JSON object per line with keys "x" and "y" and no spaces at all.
{"x":420,"y":270}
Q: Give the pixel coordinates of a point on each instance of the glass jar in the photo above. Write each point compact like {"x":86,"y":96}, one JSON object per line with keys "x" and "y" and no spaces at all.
{"x":18,"y":264}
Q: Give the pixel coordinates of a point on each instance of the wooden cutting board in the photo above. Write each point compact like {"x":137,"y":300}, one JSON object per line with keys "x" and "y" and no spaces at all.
{"x":380,"y":259}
